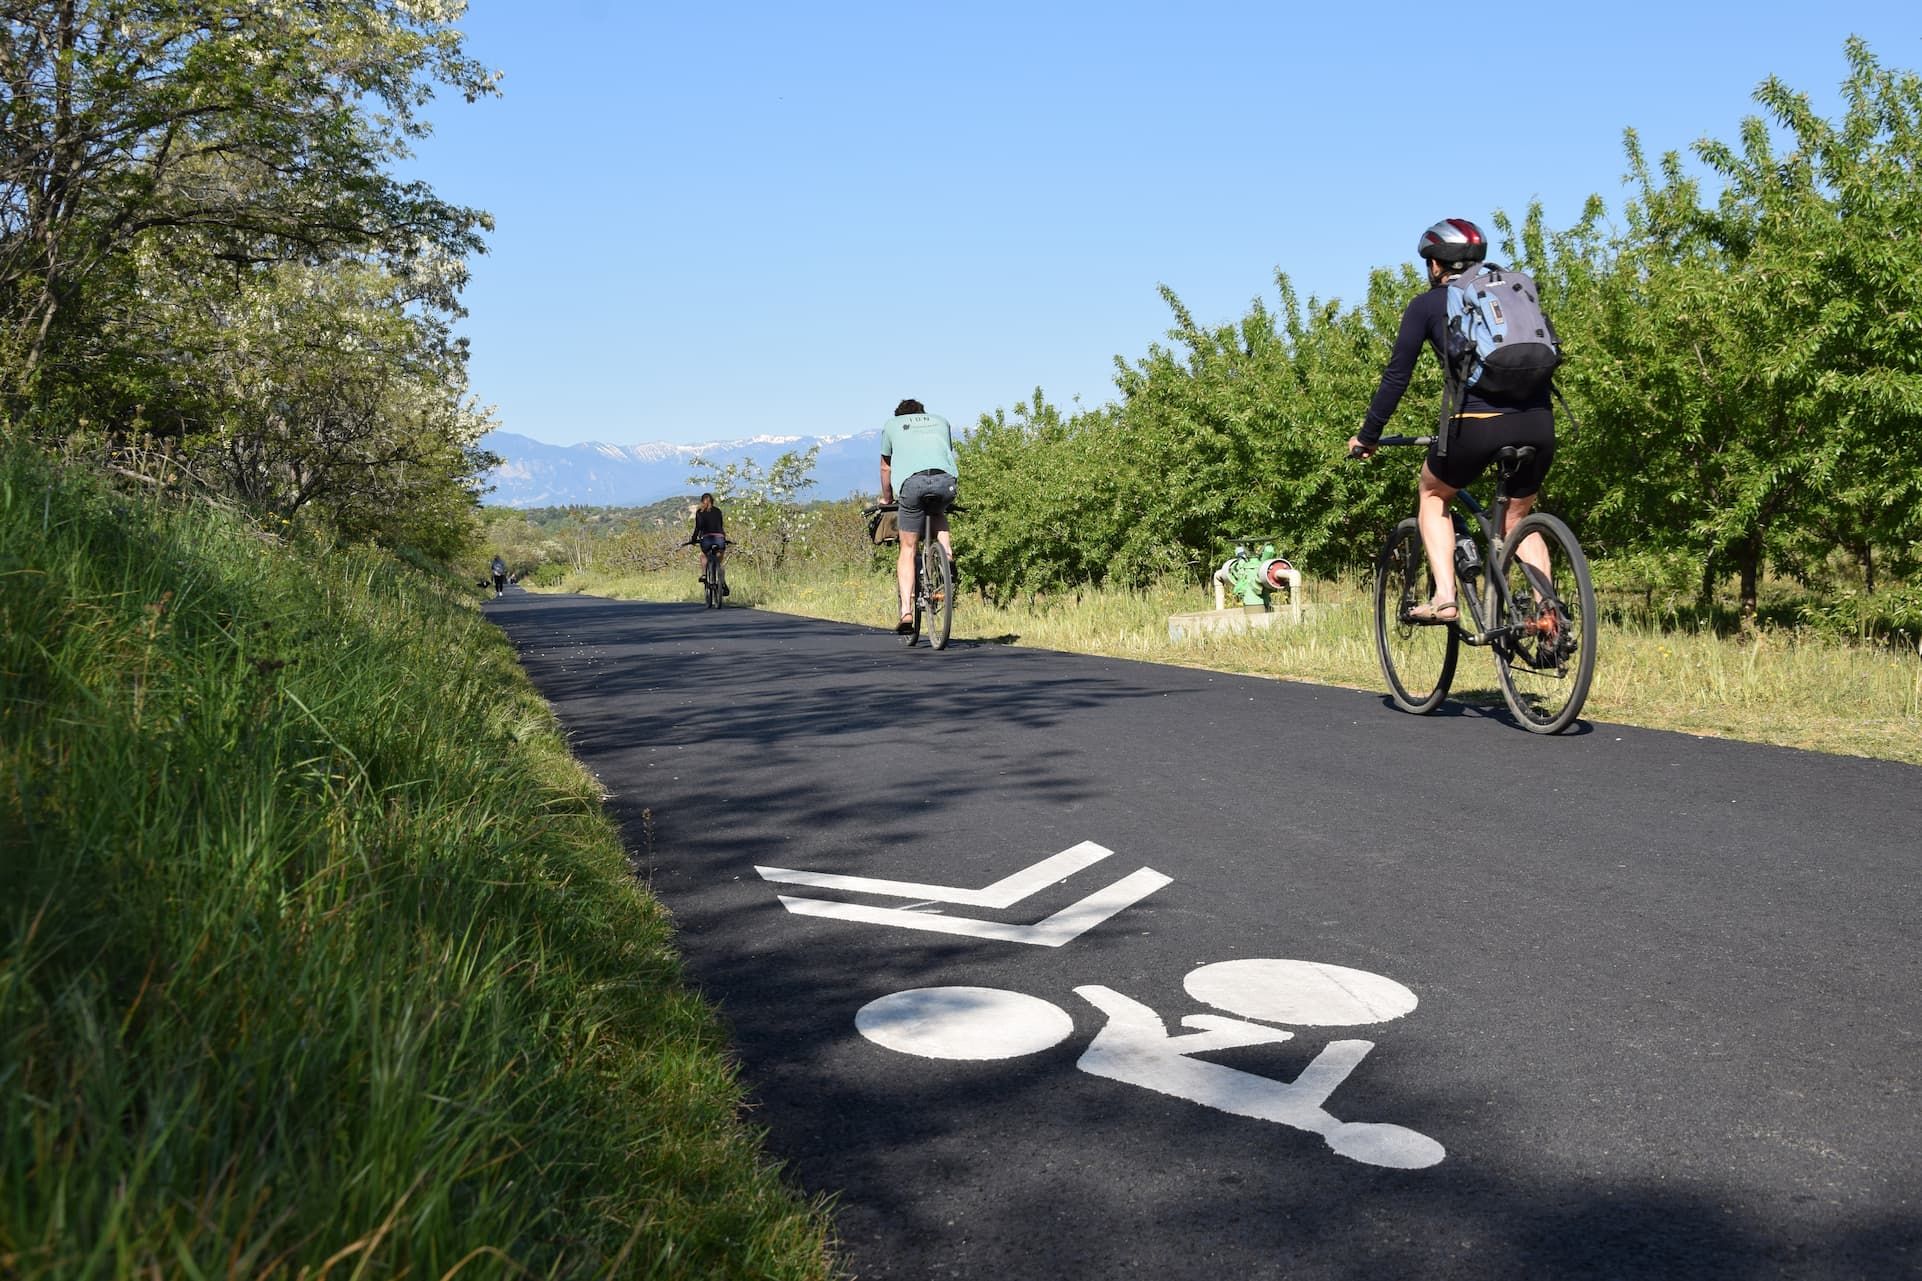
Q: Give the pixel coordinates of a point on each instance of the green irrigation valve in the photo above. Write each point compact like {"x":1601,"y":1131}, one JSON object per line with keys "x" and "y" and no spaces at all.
{"x":1251,"y":576}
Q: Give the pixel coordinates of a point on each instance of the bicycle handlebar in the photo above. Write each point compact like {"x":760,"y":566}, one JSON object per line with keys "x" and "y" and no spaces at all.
{"x":1392,"y":442}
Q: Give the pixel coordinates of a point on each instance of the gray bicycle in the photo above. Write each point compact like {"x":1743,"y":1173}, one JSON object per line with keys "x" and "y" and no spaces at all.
{"x":1539,"y":626}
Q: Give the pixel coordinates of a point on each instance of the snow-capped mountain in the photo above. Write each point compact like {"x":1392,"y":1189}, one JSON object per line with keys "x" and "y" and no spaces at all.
{"x":533,"y":474}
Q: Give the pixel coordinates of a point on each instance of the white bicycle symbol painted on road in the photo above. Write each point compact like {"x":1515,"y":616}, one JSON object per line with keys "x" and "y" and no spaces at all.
{"x":1135,"y":1046}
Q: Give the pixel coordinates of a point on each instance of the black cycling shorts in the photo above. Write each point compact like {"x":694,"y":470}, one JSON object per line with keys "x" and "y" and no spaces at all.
{"x":1476,"y":440}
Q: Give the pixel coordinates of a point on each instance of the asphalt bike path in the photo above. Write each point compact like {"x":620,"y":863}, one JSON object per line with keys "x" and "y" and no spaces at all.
{"x":1058,"y":966}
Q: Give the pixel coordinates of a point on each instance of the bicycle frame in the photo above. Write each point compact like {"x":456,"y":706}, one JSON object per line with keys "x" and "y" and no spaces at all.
{"x":1513,"y":608}
{"x":1490,"y":601}
{"x":1487,"y":600}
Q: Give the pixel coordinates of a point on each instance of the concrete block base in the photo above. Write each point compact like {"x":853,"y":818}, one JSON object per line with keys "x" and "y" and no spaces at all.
{"x":1240,"y":619}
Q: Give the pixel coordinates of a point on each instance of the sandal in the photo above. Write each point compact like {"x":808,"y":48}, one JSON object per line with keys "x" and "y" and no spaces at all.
{"x":1441,"y":611}
{"x":905,"y":626}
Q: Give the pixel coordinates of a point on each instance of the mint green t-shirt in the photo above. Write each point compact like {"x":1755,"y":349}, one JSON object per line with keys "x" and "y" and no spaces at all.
{"x":918,"y":442}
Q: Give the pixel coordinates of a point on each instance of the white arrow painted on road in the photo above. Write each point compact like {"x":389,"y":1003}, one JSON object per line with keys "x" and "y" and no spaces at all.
{"x":1005,"y":892}
{"x":1069,"y":923}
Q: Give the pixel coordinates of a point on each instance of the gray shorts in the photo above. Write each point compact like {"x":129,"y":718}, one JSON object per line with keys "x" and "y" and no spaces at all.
{"x":923,"y":494}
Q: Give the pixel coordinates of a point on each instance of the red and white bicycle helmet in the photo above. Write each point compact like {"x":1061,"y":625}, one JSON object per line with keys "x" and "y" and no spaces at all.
{"x":1453,"y":240}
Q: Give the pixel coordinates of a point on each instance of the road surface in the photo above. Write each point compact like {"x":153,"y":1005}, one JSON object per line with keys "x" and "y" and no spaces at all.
{"x":1056,"y":966}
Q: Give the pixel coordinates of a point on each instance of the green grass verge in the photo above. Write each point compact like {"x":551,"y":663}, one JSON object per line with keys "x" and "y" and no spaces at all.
{"x":318,"y":956}
{"x":1788,"y":687}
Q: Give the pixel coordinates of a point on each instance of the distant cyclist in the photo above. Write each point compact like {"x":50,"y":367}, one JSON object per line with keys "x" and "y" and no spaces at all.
{"x":1450,"y":248}
{"x":710,"y":534}
{"x":499,"y":570}
{"x":920,"y":446}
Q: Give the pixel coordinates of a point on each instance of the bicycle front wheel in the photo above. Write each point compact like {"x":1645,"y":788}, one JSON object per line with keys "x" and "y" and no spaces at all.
{"x":1417,"y":659}
{"x":937,"y":579}
{"x":1548,"y":659}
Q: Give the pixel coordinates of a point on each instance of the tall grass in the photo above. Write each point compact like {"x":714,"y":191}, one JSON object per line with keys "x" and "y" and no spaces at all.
{"x":317,"y":954}
{"x":1786,"y":686}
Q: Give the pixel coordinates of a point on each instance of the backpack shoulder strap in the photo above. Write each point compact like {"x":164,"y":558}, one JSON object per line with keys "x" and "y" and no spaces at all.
{"x":1451,"y":405}
{"x":1574,"y":423}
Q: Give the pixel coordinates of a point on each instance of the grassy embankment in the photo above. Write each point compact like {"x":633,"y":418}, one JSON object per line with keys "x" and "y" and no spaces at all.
{"x":318,"y":956}
{"x":1790,"y":688}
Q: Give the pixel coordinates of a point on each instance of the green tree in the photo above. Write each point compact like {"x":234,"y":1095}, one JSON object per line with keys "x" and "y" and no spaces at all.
{"x":764,"y":503}
{"x":264,"y":130}
{"x":1759,"y":386}
{"x":325,"y":388}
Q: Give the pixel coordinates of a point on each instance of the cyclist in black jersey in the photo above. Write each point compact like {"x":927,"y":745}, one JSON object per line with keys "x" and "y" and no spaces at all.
{"x":710,"y":532}
{"x":1481,"y":427}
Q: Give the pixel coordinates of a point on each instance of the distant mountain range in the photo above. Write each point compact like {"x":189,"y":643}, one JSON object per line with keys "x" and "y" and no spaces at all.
{"x":534,"y":474}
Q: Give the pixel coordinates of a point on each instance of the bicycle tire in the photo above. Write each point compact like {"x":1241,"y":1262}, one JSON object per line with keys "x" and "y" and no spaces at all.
{"x":710,"y":584}
{"x":1417,"y":659}
{"x":1545,"y":671}
{"x":937,"y":575}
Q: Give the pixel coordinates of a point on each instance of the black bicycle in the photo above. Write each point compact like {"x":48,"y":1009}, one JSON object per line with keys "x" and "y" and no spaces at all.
{"x":713,"y":567}
{"x":1538,"y":625}
{"x":933,"y":586}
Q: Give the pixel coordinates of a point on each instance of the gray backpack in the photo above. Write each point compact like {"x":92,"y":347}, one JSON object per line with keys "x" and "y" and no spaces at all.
{"x":1497,"y":339}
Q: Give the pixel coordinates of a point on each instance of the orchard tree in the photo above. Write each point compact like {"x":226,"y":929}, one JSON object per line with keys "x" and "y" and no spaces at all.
{"x":1764,"y":382}
{"x":1856,"y":376}
{"x":1046,"y":498}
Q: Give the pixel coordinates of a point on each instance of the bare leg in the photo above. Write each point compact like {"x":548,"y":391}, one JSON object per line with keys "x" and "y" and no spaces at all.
{"x":938,"y":526}
{"x":1533,"y":550}
{"x":904,"y":571}
{"x":1437,"y":533}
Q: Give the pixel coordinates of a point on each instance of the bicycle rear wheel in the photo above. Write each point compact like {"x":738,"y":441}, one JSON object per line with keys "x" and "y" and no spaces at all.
{"x":1545,"y":667}
{"x":1417,"y":659}
{"x":937,"y":580}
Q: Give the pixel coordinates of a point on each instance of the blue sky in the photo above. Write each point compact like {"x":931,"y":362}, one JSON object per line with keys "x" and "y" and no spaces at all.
{"x":718,"y":220}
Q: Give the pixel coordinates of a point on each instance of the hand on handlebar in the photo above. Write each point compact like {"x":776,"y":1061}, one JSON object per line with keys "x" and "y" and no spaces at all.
{"x":1359,"y":448}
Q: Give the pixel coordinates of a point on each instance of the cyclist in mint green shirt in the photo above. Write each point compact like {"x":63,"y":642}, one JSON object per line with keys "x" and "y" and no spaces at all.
{"x":919,"y":447}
